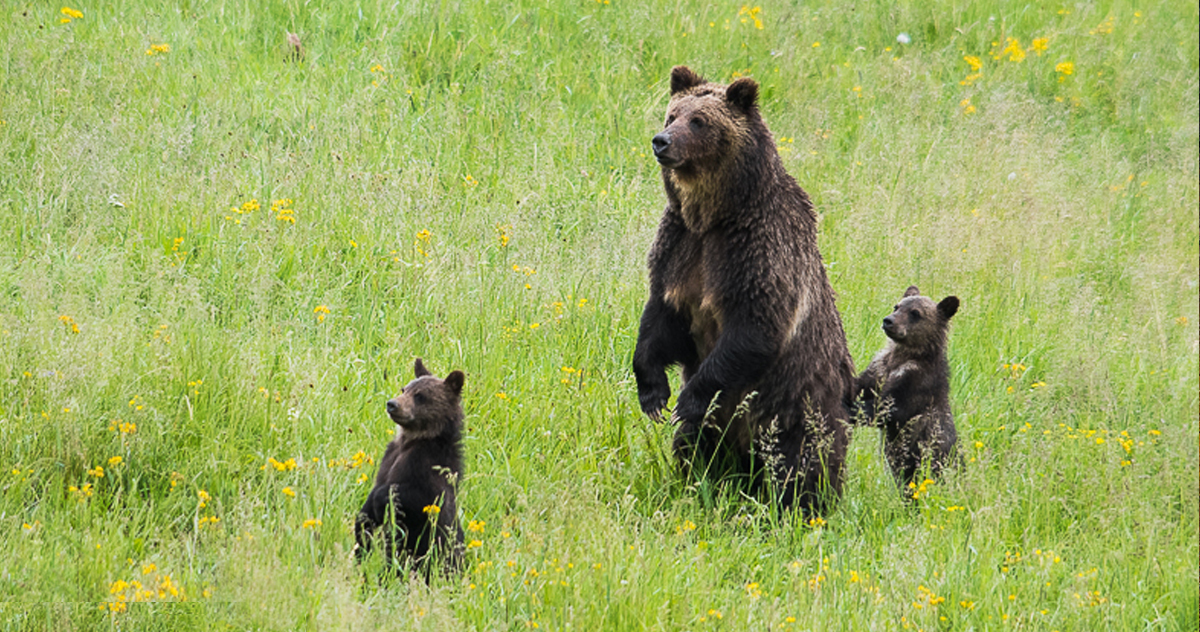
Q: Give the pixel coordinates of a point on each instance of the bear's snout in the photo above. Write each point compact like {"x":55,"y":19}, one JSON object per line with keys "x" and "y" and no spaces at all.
{"x":660,"y":142}
{"x":397,"y":411}
{"x":892,"y":329}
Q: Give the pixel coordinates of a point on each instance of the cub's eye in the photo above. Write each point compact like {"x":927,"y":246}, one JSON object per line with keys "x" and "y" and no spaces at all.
{"x":895,"y":308}
{"x":670,"y":119}
{"x":697,"y":123}
{"x":915,"y":315}
{"x":421,"y":398}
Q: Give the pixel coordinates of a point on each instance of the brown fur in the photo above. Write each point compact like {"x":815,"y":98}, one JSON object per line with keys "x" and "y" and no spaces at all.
{"x":906,"y":388}
{"x":740,"y":299}
{"x":419,"y":468}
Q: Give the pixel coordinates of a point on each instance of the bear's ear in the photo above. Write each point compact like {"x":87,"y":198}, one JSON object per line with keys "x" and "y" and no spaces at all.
{"x":420,"y":369}
{"x":743,"y":93}
{"x":911,"y":291}
{"x":454,"y":382}
{"x":948,"y":307}
{"x":683,"y":78}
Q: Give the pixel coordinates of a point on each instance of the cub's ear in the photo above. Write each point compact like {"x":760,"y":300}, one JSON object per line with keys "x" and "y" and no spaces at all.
{"x":948,"y":307}
{"x":420,"y":369}
{"x":454,"y":382}
{"x":683,"y":78}
{"x":911,"y":291}
{"x":742,"y":93}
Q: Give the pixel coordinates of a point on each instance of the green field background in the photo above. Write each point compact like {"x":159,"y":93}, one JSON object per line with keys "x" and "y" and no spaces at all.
{"x":217,"y":263}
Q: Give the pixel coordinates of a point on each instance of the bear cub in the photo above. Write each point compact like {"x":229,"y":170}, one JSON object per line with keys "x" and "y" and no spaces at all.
{"x":906,"y":388}
{"x":412,"y":509}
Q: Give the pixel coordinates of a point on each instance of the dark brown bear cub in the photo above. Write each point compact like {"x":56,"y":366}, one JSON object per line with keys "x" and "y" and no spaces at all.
{"x":740,"y":300}
{"x":412,"y":509}
{"x":906,"y":388}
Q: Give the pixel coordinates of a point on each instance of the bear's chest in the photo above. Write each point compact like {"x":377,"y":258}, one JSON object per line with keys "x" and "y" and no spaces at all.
{"x":692,"y":288}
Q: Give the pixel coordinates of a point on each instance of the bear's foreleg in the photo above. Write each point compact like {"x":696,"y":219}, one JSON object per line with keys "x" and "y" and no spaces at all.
{"x":664,"y":339}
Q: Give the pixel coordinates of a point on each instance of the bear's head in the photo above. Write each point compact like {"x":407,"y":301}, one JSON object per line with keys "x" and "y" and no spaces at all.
{"x":917,"y":322}
{"x":427,"y":406}
{"x":707,"y":123}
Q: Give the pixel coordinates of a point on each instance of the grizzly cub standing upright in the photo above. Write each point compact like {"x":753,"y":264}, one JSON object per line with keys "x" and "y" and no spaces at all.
{"x":414,"y":497}
{"x":739,"y":298}
{"x":906,"y":388}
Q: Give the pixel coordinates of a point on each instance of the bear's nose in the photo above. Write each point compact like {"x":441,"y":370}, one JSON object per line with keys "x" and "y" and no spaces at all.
{"x":660,"y":143}
{"x":392,"y":407}
{"x":887,"y":322}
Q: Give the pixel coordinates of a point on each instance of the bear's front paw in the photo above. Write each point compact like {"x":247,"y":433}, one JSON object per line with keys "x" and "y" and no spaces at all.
{"x":653,"y":396}
{"x":690,"y":410}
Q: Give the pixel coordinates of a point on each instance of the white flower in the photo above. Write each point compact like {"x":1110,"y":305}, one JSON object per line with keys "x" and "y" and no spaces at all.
{"x":903,"y":38}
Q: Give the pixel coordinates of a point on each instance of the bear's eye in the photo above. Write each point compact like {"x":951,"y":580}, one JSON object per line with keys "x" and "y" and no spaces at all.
{"x":895,"y":308}
{"x":915,"y":315}
{"x":670,"y":119}
{"x":697,"y":123}
{"x":421,"y":398}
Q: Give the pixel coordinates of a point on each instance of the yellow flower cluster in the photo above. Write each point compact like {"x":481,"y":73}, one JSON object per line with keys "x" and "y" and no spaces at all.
{"x":1105,"y":27}
{"x":282,"y":209}
{"x":81,"y":493}
{"x":421,"y":242}
{"x":753,"y":591}
{"x":320,"y":311}
{"x":158,"y":49}
{"x":245,"y":209}
{"x":311,"y":523}
{"x":161,"y":588}
{"x":69,"y":322}
{"x":1064,"y":69}
{"x":69,"y":14}
{"x":922,"y":489}
{"x":748,"y":13}
{"x":926,"y":597}
{"x":280,"y":466}
{"x":355,"y":461}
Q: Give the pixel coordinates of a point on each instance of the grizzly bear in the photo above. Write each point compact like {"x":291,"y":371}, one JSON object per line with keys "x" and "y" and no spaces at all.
{"x":414,"y":499}
{"x":906,"y":388}
{"x":740,"y":300}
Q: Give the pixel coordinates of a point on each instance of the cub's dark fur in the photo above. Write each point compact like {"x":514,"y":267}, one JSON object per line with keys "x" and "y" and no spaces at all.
{"x":739,"y":298}
{"x":419,"y":470}
{"x":906,"y":388}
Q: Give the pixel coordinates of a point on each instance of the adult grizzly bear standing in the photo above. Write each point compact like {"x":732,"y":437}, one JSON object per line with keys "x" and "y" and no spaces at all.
{"x":739,"y":298}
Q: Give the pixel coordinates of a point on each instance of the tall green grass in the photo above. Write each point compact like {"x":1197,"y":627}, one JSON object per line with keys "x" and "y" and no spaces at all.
{"x":470,"y":183}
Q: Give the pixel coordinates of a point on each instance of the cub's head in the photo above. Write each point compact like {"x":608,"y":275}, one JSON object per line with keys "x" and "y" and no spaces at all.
{"x":918,"y":322}
{"x":428,"y":407}
{"x":707,"y":123}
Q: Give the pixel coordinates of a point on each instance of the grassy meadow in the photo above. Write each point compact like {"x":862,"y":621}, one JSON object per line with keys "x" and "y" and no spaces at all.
{"x":217,"y":264}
